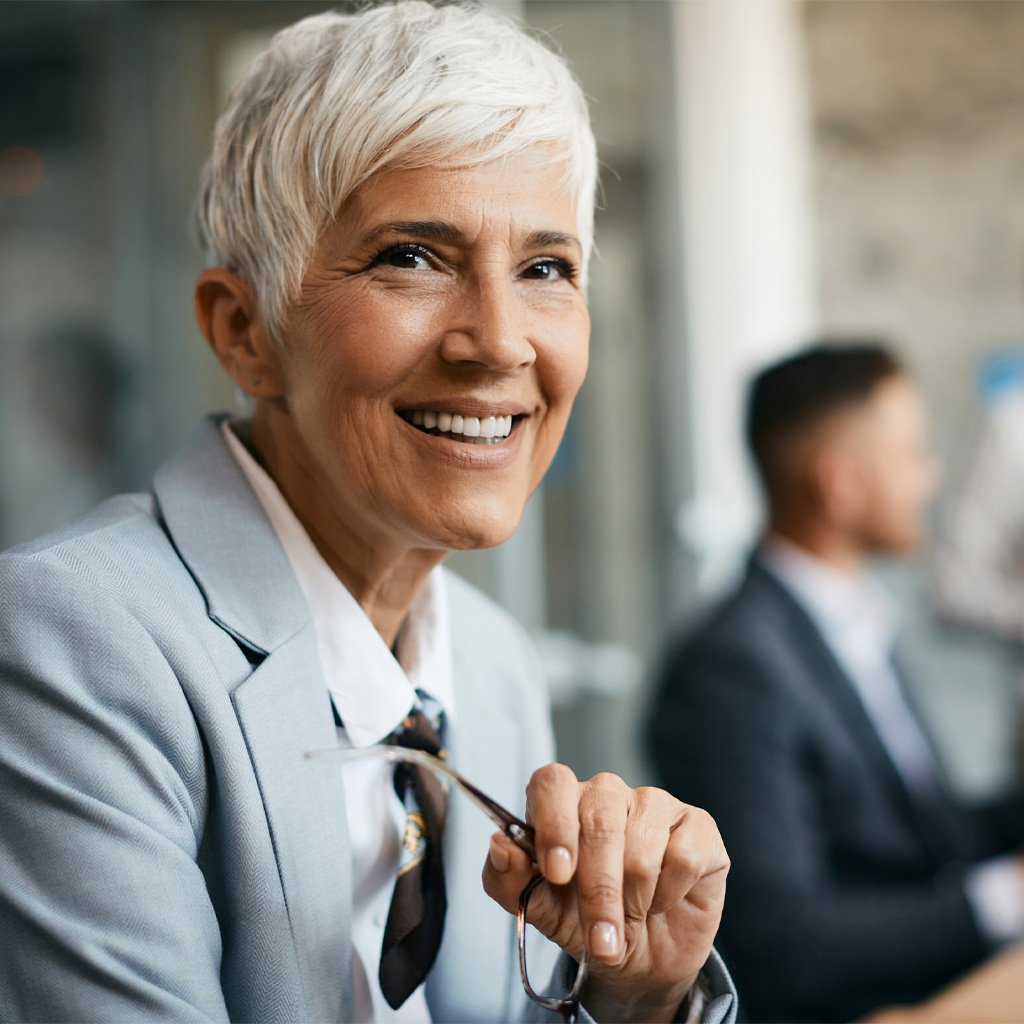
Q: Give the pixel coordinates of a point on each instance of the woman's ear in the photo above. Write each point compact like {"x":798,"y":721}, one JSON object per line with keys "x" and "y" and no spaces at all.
{"x":229,"y":319}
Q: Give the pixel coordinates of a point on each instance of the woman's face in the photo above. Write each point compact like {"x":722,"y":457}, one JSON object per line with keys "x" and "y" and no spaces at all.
{"x":428,"y":368}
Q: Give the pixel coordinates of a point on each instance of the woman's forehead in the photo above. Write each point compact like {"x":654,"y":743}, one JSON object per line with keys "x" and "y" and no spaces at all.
{"x":448,"y":202}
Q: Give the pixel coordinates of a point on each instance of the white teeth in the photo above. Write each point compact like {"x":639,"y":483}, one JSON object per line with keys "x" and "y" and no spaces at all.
{"x":491,"y":428}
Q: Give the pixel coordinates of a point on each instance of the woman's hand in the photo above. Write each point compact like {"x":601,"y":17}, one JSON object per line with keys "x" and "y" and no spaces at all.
{"x":633,"y":875}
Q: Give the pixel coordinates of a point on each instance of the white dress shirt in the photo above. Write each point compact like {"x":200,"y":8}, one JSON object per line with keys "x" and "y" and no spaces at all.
{"x":372,"y":692}
{"x":857,"y":620}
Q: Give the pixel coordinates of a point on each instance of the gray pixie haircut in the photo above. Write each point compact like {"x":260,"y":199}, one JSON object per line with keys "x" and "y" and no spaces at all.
{"x":336,"y":98}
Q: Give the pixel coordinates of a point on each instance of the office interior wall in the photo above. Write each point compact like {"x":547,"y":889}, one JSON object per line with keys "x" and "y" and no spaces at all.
{"x":750,"y":280}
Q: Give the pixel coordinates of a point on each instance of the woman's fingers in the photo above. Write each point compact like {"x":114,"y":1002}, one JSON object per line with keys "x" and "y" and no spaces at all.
{"x":627,"y":853}
{"x":506,"y":872}
{"x":695,"y":864}
{"x":604,"y":807}
{"x":653,"y":816}
{"x":552,"y":807}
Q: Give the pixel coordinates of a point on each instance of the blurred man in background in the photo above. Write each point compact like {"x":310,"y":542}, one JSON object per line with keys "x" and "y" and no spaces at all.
{"x":857,"y":880}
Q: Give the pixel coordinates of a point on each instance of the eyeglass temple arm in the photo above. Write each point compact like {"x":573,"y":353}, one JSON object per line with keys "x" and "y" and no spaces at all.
{"x":520,"y":832}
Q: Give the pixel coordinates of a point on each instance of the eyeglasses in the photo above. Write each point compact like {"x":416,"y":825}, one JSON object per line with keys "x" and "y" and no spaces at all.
{"x":520,"y":832}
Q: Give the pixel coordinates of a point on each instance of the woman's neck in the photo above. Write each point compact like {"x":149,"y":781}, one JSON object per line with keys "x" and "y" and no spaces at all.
{"x":383,"y":575}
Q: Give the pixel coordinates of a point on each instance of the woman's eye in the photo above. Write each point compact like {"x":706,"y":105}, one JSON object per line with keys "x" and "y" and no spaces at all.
{"x":403,"y":257}
{"x":549,"y":270}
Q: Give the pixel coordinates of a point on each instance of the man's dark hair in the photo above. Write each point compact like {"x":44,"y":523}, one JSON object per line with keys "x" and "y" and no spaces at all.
{"x":802,"y":389}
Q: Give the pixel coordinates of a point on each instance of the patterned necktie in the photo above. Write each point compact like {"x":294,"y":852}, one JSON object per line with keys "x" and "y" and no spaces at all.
{"x":415,"y":922}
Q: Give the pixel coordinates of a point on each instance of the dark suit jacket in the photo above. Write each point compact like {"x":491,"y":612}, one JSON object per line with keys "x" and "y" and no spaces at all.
{"x":846,"y":891}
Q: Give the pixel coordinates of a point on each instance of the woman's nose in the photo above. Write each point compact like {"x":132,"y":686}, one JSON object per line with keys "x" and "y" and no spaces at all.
{"x":490,"y":327}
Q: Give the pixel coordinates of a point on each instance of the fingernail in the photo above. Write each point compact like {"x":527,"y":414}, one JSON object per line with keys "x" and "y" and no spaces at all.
{"x":558,"y":864}
{"x":604,"y":939}
{"x":499,"y":857}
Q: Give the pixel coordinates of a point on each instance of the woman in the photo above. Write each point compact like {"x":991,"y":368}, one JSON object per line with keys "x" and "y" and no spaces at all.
{"x":397,"y":214}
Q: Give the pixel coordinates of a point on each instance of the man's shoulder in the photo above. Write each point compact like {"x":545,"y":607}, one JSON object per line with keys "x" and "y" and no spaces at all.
{"x":755,"y":638}
{"x":753,"y":612}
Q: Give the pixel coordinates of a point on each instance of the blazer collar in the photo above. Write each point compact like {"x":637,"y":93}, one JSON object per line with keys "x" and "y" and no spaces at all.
{"x":224,"y":537}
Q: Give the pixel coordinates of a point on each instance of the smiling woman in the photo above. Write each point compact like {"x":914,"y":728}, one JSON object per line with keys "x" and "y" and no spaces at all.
{"x":397,"y":216}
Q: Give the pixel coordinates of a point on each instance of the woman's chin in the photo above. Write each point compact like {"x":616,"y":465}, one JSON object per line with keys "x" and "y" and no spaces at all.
{"x":475,"y":533}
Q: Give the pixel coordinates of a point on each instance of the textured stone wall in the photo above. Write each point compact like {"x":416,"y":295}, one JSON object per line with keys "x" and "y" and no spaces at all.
{"x":919,"y":138}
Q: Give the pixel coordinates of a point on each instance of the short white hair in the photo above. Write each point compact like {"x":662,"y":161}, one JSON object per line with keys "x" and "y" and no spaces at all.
{"x":338,"y":97}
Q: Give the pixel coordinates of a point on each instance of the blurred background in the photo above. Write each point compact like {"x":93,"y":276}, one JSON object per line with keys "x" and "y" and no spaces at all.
{"x":773,"y":170}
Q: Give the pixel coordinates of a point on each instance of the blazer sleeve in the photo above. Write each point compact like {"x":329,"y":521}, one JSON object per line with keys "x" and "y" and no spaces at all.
{"x":724,"y":735}
{"x":718,"y":1007}
{"x":103,"y":911}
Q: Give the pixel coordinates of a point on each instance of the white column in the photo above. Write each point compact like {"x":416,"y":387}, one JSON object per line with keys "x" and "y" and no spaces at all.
{"x":749,"y":293}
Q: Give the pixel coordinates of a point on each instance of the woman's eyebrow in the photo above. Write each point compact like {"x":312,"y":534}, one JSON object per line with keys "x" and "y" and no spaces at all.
{"x":546,"y":239}
{"x":435,"y":230}
{"x":442,"y":231}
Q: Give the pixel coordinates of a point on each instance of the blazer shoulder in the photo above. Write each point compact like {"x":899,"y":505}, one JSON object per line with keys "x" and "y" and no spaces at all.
{"x":756,"y":640}
{"x":481,"y":625}
{"x":755,"y":612}
{"x":117,"y":555}
{"x":494,"y":650}
{"x":118,"y":533}
{"x":109,"y":588}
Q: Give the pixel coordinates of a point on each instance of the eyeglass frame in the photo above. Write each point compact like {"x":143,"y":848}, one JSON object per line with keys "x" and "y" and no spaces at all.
{"x":514,"y":828}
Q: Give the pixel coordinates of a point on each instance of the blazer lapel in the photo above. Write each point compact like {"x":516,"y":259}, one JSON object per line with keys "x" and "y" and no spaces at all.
{"x":828,"y":677}
{"x":932,"y":815}
{"x":284,"y":711}
{"x":223,"y":535}
{"x":941,"y":819}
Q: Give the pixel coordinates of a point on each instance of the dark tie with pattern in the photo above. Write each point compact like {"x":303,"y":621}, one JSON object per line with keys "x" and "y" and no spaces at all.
{"x":415,"y":922}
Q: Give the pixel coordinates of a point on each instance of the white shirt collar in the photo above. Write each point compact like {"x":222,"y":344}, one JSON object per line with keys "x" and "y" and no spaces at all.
{"x":371,"y":688}
{"x":857,"y":617}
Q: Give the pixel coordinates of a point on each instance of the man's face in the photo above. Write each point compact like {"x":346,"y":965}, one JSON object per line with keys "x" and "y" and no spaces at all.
{"x":891,"y":474}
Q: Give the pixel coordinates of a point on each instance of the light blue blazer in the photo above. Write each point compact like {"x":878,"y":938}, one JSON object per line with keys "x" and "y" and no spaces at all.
{"x":166,"y":853}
